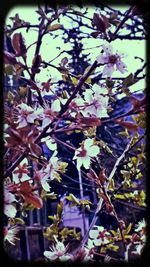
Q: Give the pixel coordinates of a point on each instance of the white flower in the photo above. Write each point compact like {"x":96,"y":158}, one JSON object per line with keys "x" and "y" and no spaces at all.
{"x":9,"y":208}
{"x":97,"y":102}
{"x":20,"y":174}
{"x":10,"y":235}
{"x":25,"y":115}
{"x":99,"y":235}
{"x":50,"y":142}
{"x":88,"y":251}
{"x":40,"y":177}
{"x":58,"y":252}
{"x":49,"y":172}
{"x":84,"y":154}
{"x":111,"y":60}
{"x":140,"y":226}
{"x":52,"y":167}
{"x":56,"y":104}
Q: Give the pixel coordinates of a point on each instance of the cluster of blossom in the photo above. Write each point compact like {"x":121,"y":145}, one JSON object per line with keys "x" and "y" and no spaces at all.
{"x":91,"y":103}
{"x":98,"y":236}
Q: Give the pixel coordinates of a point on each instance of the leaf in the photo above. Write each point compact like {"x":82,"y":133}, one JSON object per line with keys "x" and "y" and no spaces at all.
{"x":88,"y":121}
{"x":19,"y":220}
{"x":55,"y":27}
{"x":14,"y":133}
{"x":73,"y":199}
{"x":36,"y":63}
{"x":119,"y":196}
{"x":128,"y":229}
{"x":60,"y":208}
{"x":101,"y":22}
{"x":9,"y":69}
{"x":35,"y":149}
{"x":23,"y":91}
{"x":10,"y":96}
{"x":74,"y":80}
{"x":45,"y":195}
{"x":113,"y":247}
{"x":130,"y":126}
{"x":19,"y":44}
{"x":111,"y":185}
{"x":33,"y":199}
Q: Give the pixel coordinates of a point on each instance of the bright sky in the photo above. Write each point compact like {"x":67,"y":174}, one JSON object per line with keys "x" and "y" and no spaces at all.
{"x":52,"y":47}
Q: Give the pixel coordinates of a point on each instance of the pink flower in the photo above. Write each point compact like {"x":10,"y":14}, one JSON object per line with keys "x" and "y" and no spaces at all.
{"x":84,"y":154}
{"x":112,"y":61}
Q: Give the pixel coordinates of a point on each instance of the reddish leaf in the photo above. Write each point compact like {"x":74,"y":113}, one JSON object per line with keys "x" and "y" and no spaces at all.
{"x":25,"y":187}
{"x":128,"y":125}
{"x":35,"y":149}
{"x":33,"y":199}
{"x":14,"y":133}
{"x":18,"y":44}
{"x":101,"y":22}
{"x":36,"y":63}
{"x":90,"y":121}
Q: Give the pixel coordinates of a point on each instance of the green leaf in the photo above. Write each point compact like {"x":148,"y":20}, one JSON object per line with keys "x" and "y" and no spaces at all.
{"x":113,"y":247}
{"x":119,"y":196}
{"x":127,"y":230}
{"x":60,"y":208}
{"x":73,"y":199}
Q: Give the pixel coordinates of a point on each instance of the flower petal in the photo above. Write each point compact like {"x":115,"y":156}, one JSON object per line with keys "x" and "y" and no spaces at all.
{"x":10,"y":210}
{"x":93,"y":234}
{"x":88,"y":142}
{"x":108,"y":70}
{"x":56,"y":105}
{"x":86,"y":162}
{"x":50,"y":255}
{"x":102,"y":59}
{"x":93,"y":151}
{"x":121,"y":66}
